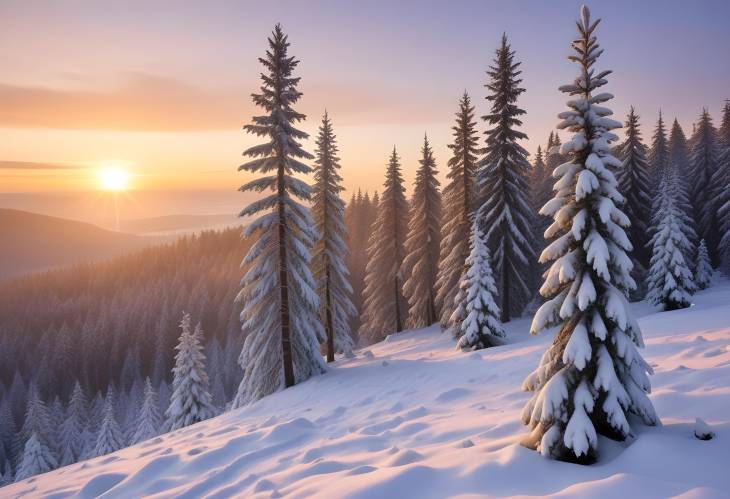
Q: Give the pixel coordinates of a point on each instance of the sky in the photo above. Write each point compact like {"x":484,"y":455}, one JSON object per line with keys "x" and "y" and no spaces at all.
{"x":163,"y":88}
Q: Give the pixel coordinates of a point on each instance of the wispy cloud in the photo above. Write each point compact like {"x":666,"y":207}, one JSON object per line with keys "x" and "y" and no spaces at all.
{"x":33,"y":165}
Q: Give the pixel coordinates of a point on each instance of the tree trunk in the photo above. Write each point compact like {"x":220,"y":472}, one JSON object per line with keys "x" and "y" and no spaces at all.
{"x":330,"y":327}
{"x":398,"y":321}
{"x":504,"y":309}
{"x":284,"y":287}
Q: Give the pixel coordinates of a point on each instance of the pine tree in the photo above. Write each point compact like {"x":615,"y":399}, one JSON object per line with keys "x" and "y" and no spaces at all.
{"x":659,"y":153}
{"x":38,"y":420}
{"x":73,"y":426}
{"x":476,"y":316}
{"x":634,"y":184}
{"x":670,"y":278}
{"x":458,"y":206}
{"x":385,"y":307}
{"x":148,"y":421}
{"x":190,"y":401}
{"x":703,"y":164}
{"x":505,"y":213}
{"x":540,"y":181}
{"x":330,"y":249}
{"x":422,"y":243}
{"x":109,"y":438}
{"x":37,"y":458}
{"x":721,"y":191}
{"x":280,"y":304}
{"x":703,"y":268}
{"x":592,"y":375}
{"x":678,"y":150}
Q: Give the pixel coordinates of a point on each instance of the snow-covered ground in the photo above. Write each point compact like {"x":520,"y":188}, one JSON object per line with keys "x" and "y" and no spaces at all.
{"x":412,"y":417}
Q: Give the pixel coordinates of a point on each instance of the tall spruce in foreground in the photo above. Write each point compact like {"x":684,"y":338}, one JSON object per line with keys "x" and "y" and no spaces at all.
{"x":670,"y":278}
{"x":190,"y":401}
{"x":505,"y":213}
{"x":385,"y":309}
{"x":280,"y":314}
{"x":592,"y":375}
{"x":703,"y":164}
{"x":420,"y":263}
{"x":458,"y":206}
{"x":476,"y":317}
{"x":634,"y":185}
{"x":330,"y":249}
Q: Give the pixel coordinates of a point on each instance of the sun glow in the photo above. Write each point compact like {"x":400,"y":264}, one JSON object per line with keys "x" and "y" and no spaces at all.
{"x":113,"y":178}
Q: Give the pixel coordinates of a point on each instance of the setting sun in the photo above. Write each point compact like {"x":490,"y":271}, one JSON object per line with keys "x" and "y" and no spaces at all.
{"x":112,"y":178}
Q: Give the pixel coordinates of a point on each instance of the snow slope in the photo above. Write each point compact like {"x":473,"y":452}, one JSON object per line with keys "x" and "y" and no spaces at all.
{"x":412,"y":417}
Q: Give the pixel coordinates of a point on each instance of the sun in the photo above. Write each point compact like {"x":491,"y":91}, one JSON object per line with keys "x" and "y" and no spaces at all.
{"x":113,"y":178}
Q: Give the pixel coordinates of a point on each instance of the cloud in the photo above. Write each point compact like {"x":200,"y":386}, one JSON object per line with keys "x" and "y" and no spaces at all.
{"x":146,"y":102}
{"x":32,"y":165}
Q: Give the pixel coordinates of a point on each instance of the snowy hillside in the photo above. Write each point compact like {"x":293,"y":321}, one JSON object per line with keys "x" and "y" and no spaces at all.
{"x":412,"y":417}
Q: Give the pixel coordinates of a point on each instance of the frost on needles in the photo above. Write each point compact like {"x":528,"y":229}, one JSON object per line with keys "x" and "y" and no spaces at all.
{"x":592,"y":376}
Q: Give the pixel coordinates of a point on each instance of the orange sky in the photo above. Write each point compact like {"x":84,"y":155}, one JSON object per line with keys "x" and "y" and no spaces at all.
{"x":166,"y":91}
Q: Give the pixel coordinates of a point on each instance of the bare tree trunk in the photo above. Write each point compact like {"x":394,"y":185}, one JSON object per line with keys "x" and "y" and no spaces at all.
{"x":284,"y":287}
{"x":398,"y":321}
{"x":504,"y":311}
{"x":329,"y":325}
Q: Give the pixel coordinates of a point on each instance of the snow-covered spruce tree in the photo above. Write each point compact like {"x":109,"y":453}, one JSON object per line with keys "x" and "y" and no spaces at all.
{"x":420,"y":264}
{"x":658,"y":153}
{"x":505,"y":212}
{"x":330,"y":250}
{"x":592,"y":375}
{"x":109,"y":437}
{"x":38,"y":421}
{"x":679,"y":167}
{"x":723,"y":195}
{"x":37,"y":458}
{"x":458,"y":206}
{"x":634,"y":184}
{"x":703,"y":164}
{"x":149,"y":421}
{"x":476,"y":314}
{"x":280,"y":305}
{"x":670,"y":278}
{"x":73,"y":426}
{"x":385,"y":307}
{"x":190,"y":401}
{"x":703,"y":267}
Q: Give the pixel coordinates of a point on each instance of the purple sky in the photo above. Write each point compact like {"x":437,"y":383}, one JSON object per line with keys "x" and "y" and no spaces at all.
{"x":164,"y":86}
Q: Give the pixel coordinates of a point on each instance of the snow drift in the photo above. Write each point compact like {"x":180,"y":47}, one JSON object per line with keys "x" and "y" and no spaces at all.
{"x":413,"y":417}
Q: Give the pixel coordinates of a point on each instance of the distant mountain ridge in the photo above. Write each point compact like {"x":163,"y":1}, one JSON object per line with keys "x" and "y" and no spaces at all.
{"x":33,"y":242}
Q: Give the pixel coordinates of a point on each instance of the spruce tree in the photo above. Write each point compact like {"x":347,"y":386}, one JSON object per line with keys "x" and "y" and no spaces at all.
{"x":703,"y":164}
{"x":385,"y":308}
{"x":190,"y":401}
{"x":634,"y":185}
{"x":109,"y":437}
{"x":592,"y":375}
{"x":458,"y":206}
{"x":38,"y":421}
{"x":658,"y":153}
{"x":37,"y":458}
{"x":278,"y":293}
{"x":73,"y":426}
{"x":678,"y":150}
{"x":505,"y":212}
{"x":670,"y":278}
{"x":540,"y":181}
{"x":703,"y":268}
{"x":330,"y":249}
{"x":722,"y":196}
{"x":476,"y":316}
{"x":422,"y":243}
{"x":148,"y":421}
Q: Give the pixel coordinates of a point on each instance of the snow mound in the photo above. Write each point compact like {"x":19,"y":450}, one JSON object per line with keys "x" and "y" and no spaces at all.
{"x":436,"y":423}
